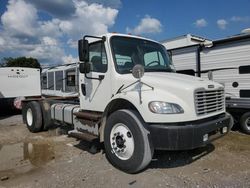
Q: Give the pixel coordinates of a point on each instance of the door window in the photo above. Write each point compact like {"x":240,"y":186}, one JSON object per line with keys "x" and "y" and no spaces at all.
{"x":98,"y":57}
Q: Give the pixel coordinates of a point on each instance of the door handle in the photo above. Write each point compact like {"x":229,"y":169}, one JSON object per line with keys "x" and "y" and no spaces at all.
{"x":83,"y":87}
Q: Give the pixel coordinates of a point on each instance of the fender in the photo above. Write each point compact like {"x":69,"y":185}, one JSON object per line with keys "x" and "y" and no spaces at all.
{"x":116,"y":103}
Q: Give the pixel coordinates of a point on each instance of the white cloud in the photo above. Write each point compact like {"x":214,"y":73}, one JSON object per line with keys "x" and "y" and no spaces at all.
{"x":24,"y":33}
{"x":58,"y":8}
{"x":47,"y":51}
{"x":2,"y":41}
{"x":240,"y":19}
{"x":107,"y":3}
{"x":200,"y":23}
{"x":222,"y":24}
{"x":50,"y":28}
{"x":72,"y":43}
{"x":91,"y":19}
{"x":94,"y":19}
{"x":146,"y":25}
{"x":49,"y":41}
{"x":20,"y":18}
{"x":246,"y":31}
{"x":69,"y":59}
{"x":2,"y":44}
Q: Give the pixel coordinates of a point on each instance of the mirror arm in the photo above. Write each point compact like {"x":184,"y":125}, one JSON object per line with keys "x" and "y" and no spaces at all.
{"x":123,"y":88}
{"x":100,"y":77}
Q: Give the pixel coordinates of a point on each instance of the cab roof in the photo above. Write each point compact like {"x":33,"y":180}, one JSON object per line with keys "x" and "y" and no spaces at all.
{"x":109,"y":35}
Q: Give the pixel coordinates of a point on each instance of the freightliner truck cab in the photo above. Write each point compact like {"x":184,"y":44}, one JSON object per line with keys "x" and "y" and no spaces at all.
{"x":132,"y":99}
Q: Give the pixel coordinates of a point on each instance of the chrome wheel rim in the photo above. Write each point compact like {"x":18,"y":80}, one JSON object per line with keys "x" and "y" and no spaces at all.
{"x":29,"y":117}
{"x":122,"y":141}
{"x":248,"y":123}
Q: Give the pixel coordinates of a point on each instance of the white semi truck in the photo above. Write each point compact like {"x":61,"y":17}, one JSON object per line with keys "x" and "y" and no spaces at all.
{"x":132,"y":100}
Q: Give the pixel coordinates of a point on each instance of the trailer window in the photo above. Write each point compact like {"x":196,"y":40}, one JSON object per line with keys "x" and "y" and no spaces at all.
{"x":44,"y":81}
{"x":59,"y":80}
{"x":71,"y":78}
{"x":77,"y":78}
{"x":245,"y":93}
{"x":51,"y":85}
{"x":244,"y":69}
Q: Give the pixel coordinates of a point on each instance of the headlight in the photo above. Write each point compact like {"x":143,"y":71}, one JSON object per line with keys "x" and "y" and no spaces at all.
{"x":159,"y":107}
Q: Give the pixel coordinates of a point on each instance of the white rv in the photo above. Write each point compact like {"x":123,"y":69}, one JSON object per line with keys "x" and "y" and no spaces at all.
{"x":226,"y":61}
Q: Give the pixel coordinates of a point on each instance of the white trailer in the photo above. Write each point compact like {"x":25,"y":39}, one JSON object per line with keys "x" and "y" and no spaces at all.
{"x":226,"y":61}
{"x":132,"y":100}
{"x":60,"y":80}
{"x":18,"y":82}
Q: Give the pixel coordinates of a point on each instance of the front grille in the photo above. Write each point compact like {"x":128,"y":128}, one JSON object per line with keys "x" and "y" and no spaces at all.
{"x":207,"y":102}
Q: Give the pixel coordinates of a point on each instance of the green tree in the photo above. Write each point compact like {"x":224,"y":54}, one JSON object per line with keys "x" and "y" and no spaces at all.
{"x":20,"y":62}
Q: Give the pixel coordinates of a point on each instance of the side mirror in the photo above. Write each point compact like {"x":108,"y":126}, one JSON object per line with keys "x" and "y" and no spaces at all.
{"x":84,"y":67}
{"x":83,"y":50}
{"x":138,"y":71}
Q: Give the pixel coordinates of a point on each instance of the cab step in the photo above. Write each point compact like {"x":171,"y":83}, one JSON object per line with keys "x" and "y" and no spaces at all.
{"x":94,"y":116}
{"x":83,"y":135}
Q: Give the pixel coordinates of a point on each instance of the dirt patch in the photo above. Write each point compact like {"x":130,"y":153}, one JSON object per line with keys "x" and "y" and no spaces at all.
{"x":48,"y":160}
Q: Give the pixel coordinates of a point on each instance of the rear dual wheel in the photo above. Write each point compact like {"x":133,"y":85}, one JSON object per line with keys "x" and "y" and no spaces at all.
{"x":32,"y":115}
{"x":126,"y":141}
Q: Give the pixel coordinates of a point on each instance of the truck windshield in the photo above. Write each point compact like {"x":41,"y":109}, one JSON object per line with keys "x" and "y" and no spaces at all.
{"x":128,"y":52}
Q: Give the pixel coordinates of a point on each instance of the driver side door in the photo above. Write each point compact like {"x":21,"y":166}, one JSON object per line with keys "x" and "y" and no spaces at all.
{"x":97,"y":92}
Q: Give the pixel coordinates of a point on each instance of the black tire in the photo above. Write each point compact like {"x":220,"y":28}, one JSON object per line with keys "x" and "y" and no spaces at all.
{"x":245,"y":122}
{"x":46,"y":110}
{"x":47,"y":122}
{"x":32,"y":116}
{"x":143,"y":150}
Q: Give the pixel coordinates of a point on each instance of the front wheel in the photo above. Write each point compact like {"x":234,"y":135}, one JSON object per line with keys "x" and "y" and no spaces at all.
{"x":32,"y":115}
{"x":126,"y":141}
{"x":245,"y":122}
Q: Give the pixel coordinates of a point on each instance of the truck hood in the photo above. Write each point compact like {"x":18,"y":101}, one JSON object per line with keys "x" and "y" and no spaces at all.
{"x":169,"y":82}
{"x":181,"y":81}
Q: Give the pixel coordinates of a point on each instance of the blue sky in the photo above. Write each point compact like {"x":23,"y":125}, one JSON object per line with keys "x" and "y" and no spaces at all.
{"x":48,"y":30}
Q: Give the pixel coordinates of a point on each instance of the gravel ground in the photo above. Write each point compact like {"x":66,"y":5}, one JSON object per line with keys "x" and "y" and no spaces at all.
{"x":47,"y":160}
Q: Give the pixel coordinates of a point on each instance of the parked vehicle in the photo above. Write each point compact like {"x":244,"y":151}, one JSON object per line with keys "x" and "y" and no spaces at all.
{"x":16,"y":83}
{"x":226,"y":61}
{"x":60,"y":80}
{"x":132,"y":100}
